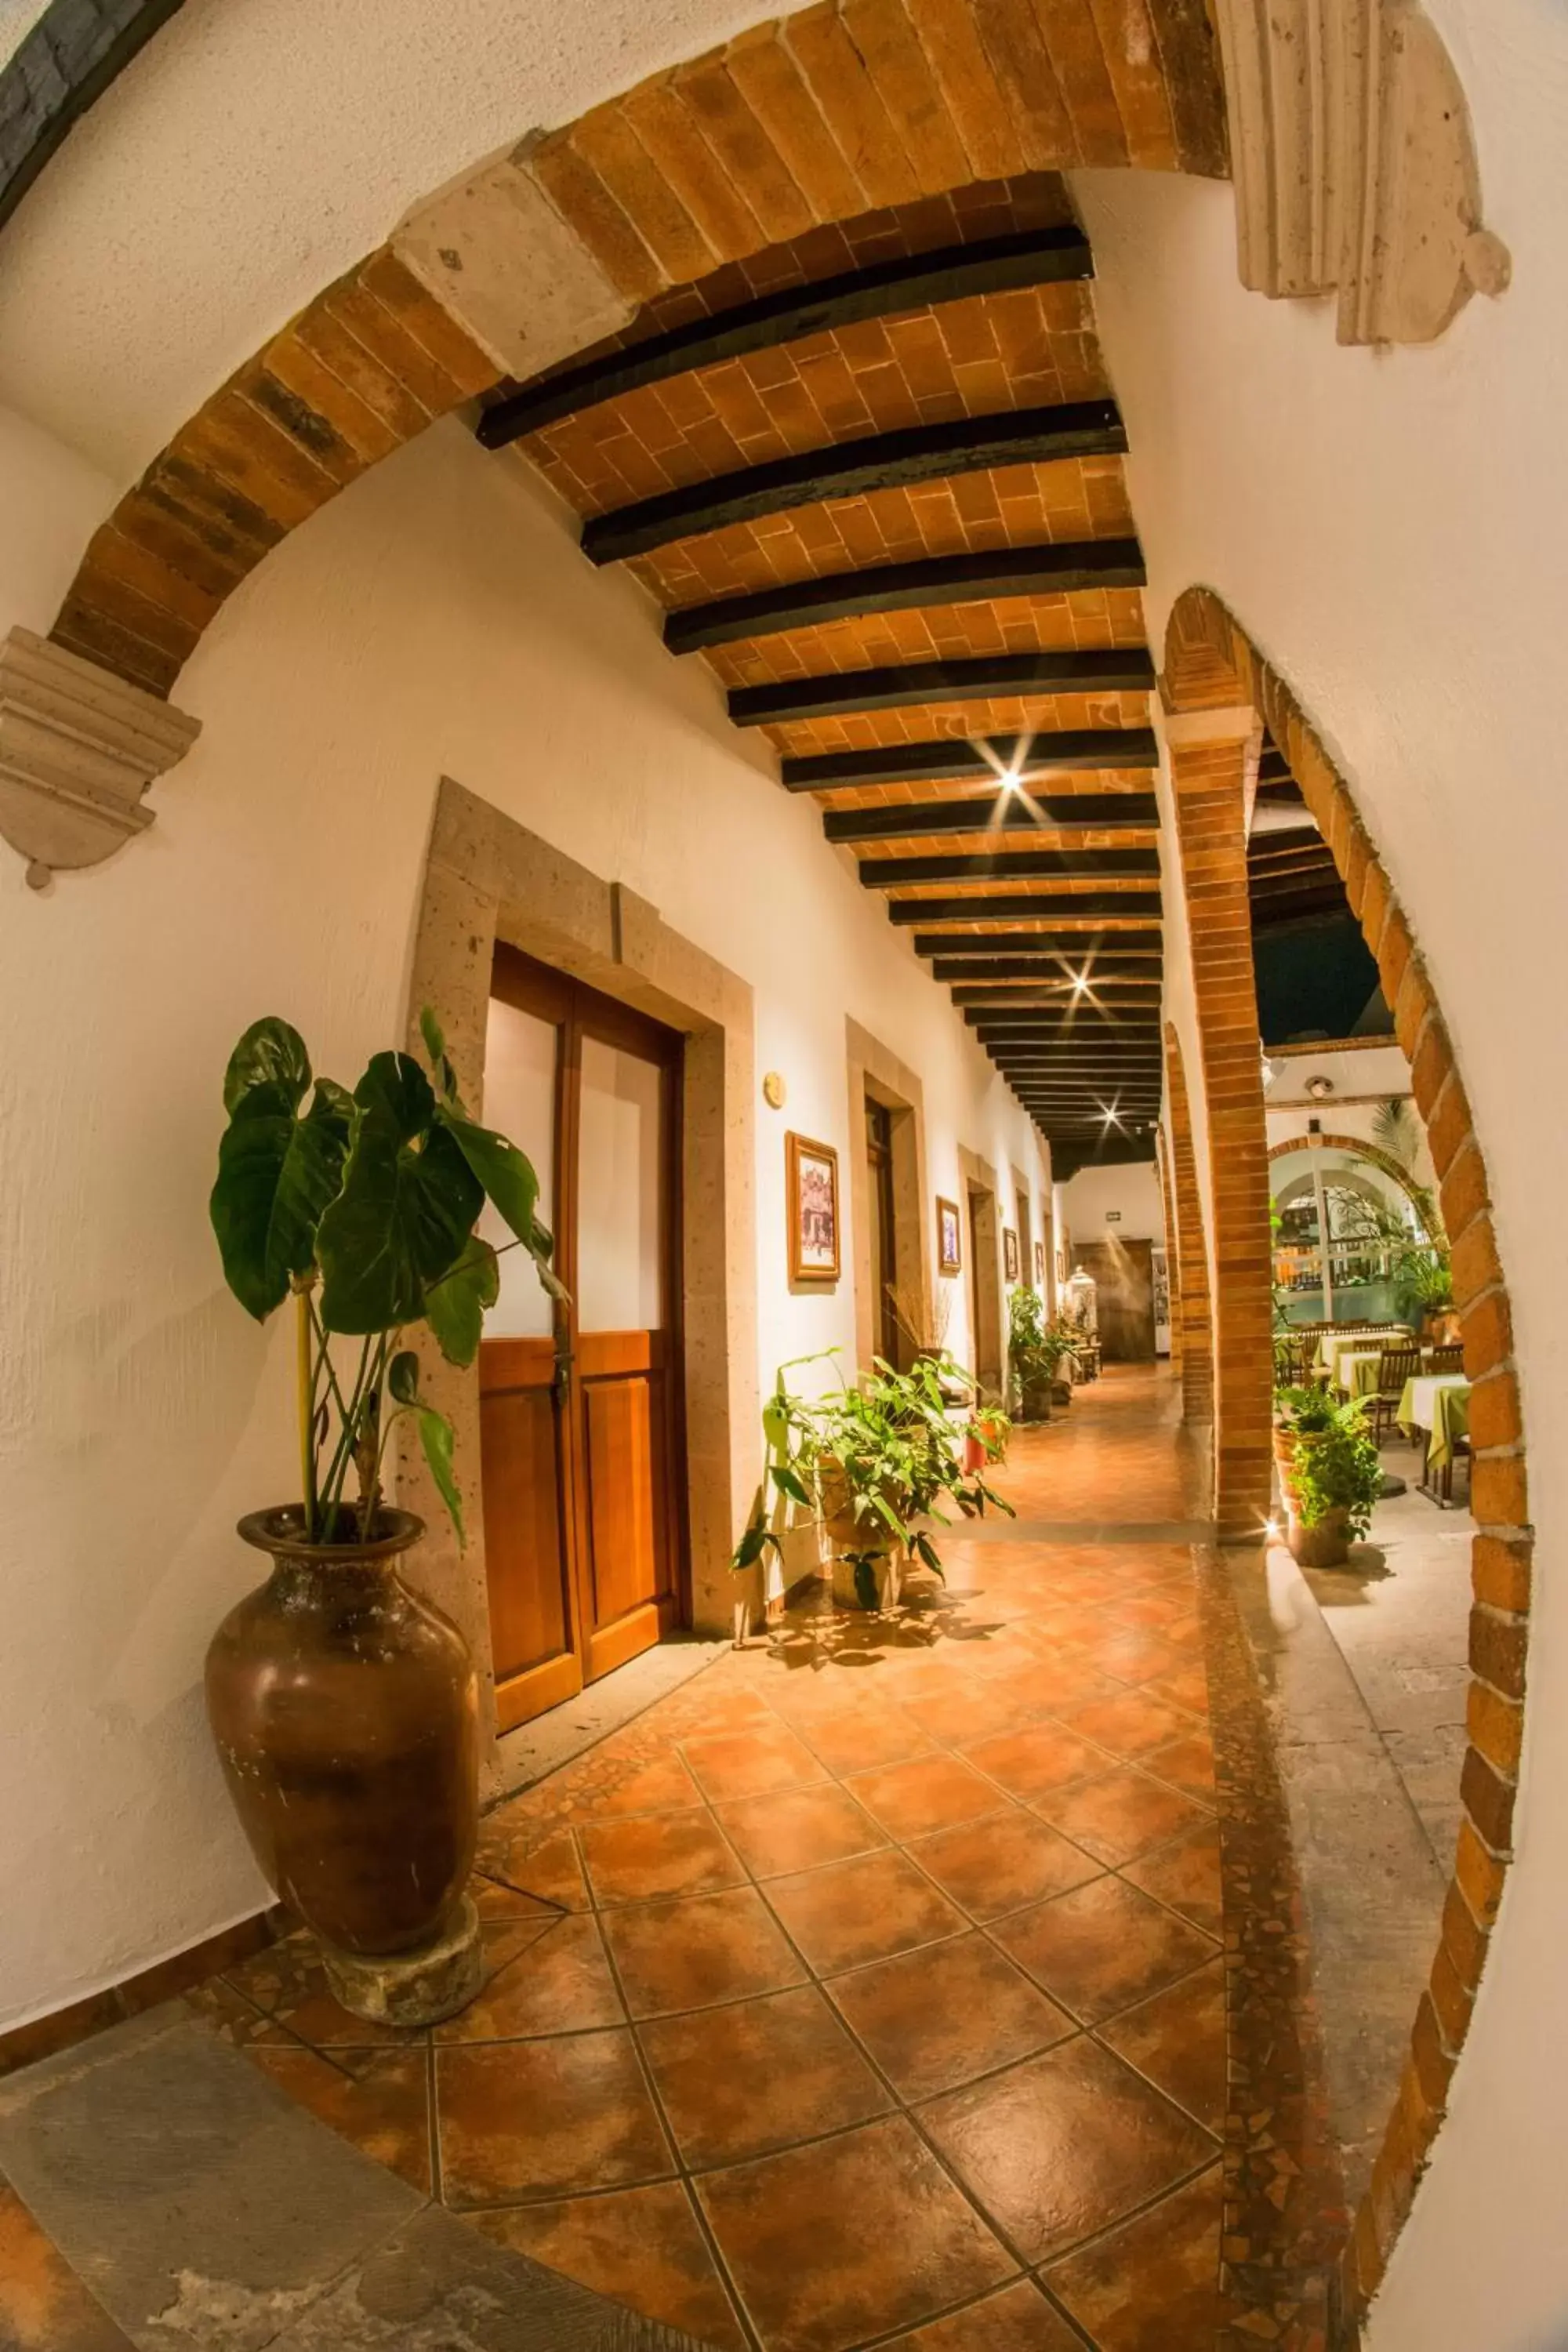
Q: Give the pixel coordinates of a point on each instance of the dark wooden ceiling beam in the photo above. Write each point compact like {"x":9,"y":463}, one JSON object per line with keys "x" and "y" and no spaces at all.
{"x":983,"y":968}
{"x":952,"y":760}
{"x":1117,"y":947}
{"x":1068,"y":812}
{"x":842,"y":694}
{"x":1056,"y":569}
{"x":1012,"y":866}
{"x":857,"y":469}
{"x":1087,"y":906}
{"x":885,"y":290}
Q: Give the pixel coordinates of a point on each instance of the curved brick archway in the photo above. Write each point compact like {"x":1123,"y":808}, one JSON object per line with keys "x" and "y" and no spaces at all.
{"x":1211,"y":664}
{"x":1191,"y":1293}
{"x":647,"y":208}
{"x":1363,"y":1151}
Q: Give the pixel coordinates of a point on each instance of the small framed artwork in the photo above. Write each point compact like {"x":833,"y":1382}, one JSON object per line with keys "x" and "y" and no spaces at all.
{"x":1061,"y":1270}
{"x":949,"y":1244}
{"x":1039,"y":1266}
{"x":1009,"y":1254}
{"x":811,"y":1183}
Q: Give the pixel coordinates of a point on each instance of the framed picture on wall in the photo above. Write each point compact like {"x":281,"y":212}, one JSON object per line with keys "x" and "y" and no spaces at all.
{"x":1039,"y":1266}
{"x":948,"y":1237}
{"x":811,"y":1189}
{"x":1061,"y":1269}
{"x":1009,"y":1254}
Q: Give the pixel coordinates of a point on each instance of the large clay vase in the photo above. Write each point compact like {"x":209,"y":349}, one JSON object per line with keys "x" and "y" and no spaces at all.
{"x":345,"y":1713}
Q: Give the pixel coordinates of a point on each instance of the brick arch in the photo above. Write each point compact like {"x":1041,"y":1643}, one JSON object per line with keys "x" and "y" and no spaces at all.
{"x":1212,"y":663}
{"x":848,"y":109}
{"x":1195,"y":1322}
{"x":1363,"y":1149}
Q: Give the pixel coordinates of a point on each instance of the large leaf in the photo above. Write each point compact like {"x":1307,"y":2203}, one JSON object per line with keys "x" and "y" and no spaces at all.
{"x":270,"y":1054}
{"x":404,"y":1215}
{"x":436,"y":1437}
{"x":455,"y":1304}
{"x":436,"y":1046}
{"x":395,"y":1090}
{"x":277,"y":1175}
{"x":506,"y":1173}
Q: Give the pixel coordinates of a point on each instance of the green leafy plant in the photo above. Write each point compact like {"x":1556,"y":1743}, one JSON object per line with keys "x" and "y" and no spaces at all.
{"x":1333,"y":1462}
{"x":362,"y":1206}
{"x":880,"y":1452}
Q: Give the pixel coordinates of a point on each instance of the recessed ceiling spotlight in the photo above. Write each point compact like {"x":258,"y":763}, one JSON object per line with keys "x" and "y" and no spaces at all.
{"x":1320,"y":1088}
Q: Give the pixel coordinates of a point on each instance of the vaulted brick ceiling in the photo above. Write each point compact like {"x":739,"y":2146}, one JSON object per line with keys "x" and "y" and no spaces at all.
{"x":892,"y":516}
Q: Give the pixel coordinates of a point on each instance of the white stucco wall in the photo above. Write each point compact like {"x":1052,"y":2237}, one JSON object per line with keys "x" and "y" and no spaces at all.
{"x":438,"y":619}
{"x":1130,"y":1194}
{"x":1390,"y":528}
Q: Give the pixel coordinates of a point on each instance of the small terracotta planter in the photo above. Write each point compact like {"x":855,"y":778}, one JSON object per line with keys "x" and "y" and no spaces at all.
{"x":346,"y":1712}
{"x":1326,"y":1545}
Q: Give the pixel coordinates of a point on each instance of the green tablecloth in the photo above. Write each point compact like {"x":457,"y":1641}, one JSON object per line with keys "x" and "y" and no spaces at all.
{"x":1358,"y":1374}
{"x":1440,"y":1405}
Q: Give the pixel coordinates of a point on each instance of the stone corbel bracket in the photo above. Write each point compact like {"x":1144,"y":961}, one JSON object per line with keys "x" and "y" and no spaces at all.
{"x":79,"y":747}
{"x":1355,"y":164}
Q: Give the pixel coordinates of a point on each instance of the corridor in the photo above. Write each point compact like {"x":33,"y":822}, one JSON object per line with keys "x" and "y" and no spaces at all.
{"x":869,"y":1989}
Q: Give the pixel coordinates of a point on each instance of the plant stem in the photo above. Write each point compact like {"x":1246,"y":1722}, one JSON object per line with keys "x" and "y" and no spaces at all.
{"x":304,"y":1359}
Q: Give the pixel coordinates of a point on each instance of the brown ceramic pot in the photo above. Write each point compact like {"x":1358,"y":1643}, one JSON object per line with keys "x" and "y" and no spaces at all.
{"x":345,"y":1713}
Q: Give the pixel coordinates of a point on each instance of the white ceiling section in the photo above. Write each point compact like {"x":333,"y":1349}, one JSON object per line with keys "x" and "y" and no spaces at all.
{"x":256,"y":149}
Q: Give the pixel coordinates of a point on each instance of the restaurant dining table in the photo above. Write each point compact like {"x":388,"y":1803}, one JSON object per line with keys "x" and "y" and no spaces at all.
{"x":1336,"y":1347}
{"x":1437,"y":1404}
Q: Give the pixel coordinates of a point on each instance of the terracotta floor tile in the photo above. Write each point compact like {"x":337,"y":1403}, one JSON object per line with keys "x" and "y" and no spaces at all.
{"x":540,"y":1860}
{"x":857,"y":1739}
{"x":522,"y":2119}
{"x":1120,"y":1816}
{"x":852,"y":1912}
{"x":1187,"y":1876}
{"x":1064,"y":2145}
{"x":930,"y":1792}
{"x":968,"y":1709}
{"x":1001,"y":1864}
{"x":937,"y":2018}
{"x":757,"y":2075}
{"x":383,"y":2107}
{"x":1102,"y":1948}
{"x":1030,"y":1764}
{"x":557,"y":1980}
{"x":1188,"y":1764}
{"x":831,"y":2243}
{"x":1187,"y":1686}
{"x":1019,"y":2319}
{"x":748,"y":1763}
{"x":661,"y":1785}
{"x":44,"y":2306}
{"x":689,"y":1954}
{"x":1153,"y":2285}
{"x":793,"y":1829}
{"x":658,"y":1854}
{"x":1050,"y":1684}
{"x":1132,"y":1723}
{"x":1129,"y":1655}
{"x":1178,"y":2041}
{"x":496,"y":1902}
{"x":642,"y":2247}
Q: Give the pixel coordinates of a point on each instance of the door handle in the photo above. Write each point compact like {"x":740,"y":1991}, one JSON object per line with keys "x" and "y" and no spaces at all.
{"x":562,"y":1378}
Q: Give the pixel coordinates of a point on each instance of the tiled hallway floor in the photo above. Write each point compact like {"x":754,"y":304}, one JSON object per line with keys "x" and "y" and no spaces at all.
{"x":867,"y":1990}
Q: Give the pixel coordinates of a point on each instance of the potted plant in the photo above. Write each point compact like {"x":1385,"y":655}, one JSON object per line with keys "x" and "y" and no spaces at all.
{"x":888,"y":1448}
{"x":1028,"y":1354}
{"x":1329,"y":1471}
{"x":790,"y":1476}
{"x":343,"y":1703}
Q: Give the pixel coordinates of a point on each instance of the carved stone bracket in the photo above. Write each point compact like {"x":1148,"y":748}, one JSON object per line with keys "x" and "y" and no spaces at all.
{"x":1355,"y":164}
{"x":79,"y":747}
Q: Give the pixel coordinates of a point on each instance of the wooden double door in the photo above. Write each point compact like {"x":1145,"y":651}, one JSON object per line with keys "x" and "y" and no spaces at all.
{"x":580,"y":1421}
{"x":1124,"y":1299}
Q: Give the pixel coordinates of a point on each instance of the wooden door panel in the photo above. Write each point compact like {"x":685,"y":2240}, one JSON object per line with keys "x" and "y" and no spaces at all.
{"x":526,"y":1566}
{"x":1125,"y":1300}
{"x":627,"y":1510}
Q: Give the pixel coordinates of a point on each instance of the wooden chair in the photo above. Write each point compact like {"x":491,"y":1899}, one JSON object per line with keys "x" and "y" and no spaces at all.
{"x":1444,"y":1361}
{"x":1395,"y":1366}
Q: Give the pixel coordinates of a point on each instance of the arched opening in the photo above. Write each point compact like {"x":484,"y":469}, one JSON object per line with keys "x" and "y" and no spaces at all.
{"x":1213,"y":667}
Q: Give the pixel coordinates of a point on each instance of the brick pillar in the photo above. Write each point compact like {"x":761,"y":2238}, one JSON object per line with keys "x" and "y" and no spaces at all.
{"x":1172,"y":1257}
{"x":1191,"y":1251}
{"x":1213,"y":758}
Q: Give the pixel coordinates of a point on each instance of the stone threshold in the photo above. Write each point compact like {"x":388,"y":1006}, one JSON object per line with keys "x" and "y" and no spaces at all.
{"x":559,"y":1737}
{"x":200,"y":2206}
